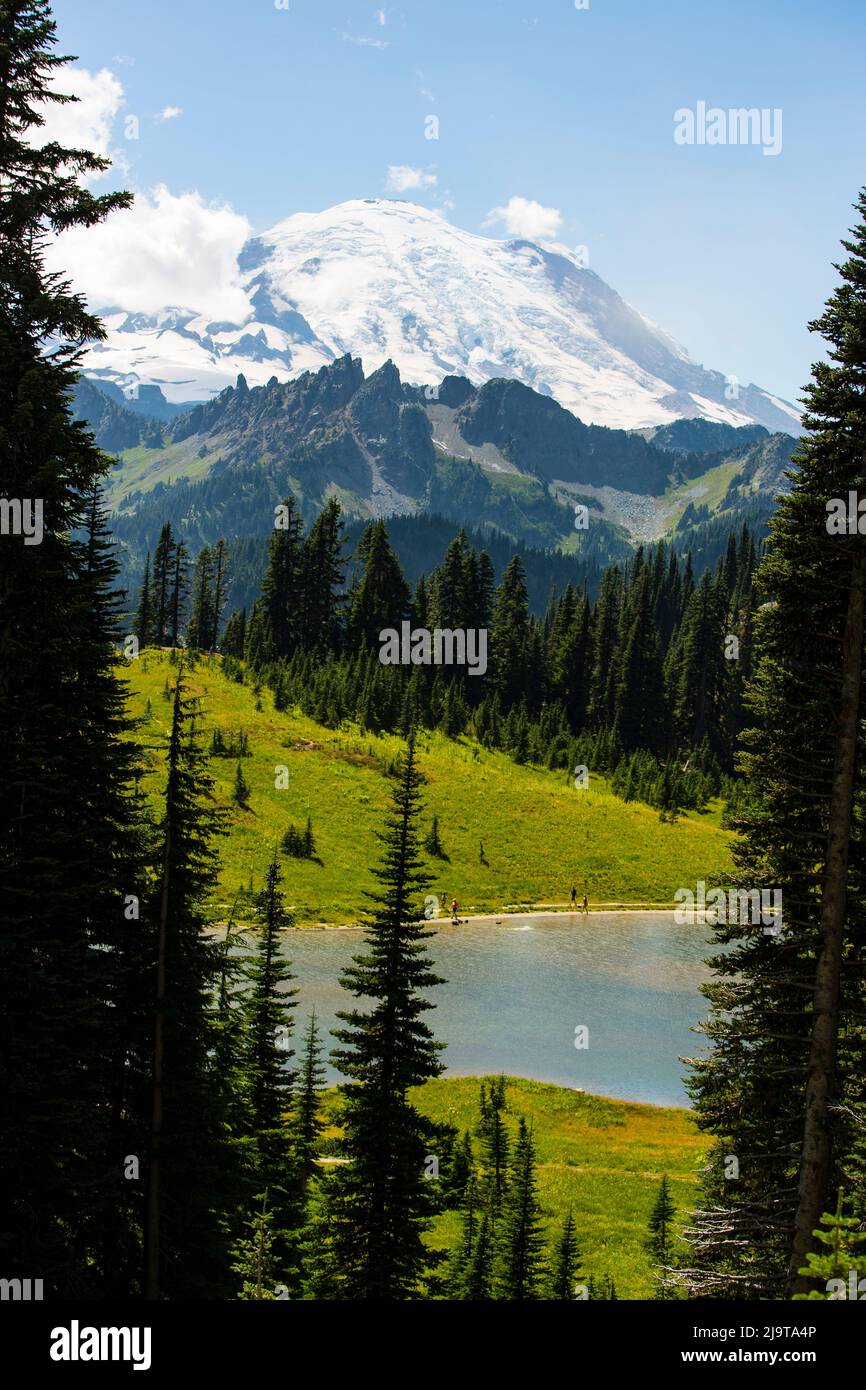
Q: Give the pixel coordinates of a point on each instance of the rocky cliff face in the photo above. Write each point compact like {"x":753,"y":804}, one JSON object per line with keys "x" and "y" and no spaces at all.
{"x":498,"y":454}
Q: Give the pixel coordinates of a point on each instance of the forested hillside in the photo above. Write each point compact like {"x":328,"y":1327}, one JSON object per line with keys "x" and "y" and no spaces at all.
{"x":500,"y":457}
{"x":646,"y":683}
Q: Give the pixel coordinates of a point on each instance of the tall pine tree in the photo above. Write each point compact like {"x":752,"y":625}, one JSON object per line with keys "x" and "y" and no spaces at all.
{"x":783,"y":1088}
{"x":67,"y":861}
{"x":189,"y":1178}
{"x":522,"y":1265}
{"x":267,"y":1076}
{"x":378,"y":1205}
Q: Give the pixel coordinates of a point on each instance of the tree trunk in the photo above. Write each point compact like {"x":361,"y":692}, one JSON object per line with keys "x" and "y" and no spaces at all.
{"x":816,"y":1153}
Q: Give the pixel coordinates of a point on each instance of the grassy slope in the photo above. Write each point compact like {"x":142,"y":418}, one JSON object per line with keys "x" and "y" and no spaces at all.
{"x":140,"y":469}
{"x":709,"y":490}
{"x":539,"y":833}
{"x":604,"y":1158}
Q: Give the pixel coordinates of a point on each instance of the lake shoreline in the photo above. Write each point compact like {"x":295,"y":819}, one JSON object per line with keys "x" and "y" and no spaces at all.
{"x":496,"y":918}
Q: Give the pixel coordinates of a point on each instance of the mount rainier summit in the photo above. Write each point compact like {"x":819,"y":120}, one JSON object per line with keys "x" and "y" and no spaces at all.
{"x":383,"y":279}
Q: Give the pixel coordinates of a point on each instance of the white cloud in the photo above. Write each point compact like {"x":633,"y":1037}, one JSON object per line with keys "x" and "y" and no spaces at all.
{"x":523,"y":217}
{"x":363,"y":41}
{"x":402,"y":178}
{"x":381,"y":18}
{"x":170,"y":113}
{"x":423,"y":89}
{"x":164,"y":251}
{"x":84,"y":124}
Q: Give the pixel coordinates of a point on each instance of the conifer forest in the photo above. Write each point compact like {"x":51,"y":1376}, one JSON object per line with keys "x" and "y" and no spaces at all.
{"x":432,"y":704}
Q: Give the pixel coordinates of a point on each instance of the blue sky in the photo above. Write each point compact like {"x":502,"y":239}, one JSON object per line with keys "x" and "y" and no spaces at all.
{"x":275,"y":111}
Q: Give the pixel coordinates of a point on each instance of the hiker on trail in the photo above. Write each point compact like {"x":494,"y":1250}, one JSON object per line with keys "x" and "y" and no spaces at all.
{"x":573,"y":895}
{"x":585,"y":905}
{"x":455,"y":916}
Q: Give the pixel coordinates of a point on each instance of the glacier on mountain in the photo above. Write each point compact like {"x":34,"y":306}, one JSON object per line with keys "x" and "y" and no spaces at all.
{"x":385,"y":279}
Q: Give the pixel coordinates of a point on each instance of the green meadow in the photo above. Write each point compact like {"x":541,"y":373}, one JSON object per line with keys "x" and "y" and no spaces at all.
{"x":539,"y":833}
{"x":603,"y":1158}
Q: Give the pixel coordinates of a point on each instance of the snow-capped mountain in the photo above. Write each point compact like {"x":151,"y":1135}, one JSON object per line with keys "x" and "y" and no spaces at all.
{"x":383,"y":279}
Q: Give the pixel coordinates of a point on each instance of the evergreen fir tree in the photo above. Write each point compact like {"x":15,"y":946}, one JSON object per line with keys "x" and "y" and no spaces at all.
{"x":414,"y":713}
{"x":640,"y":710}
{"x":688,"y":585}
{"x":660,"y":1238}
{"x":293,"y":843}
{"x":234,"y":636}
{"x":163,"y":575}
{"x":518,"y":739}
{"x":256,"y":1263}
{"x":267,"y":1078}
{"x":839,"y":1269}
{"x":241,"y":790}
{"x":460,"y":1169}
{"x":201,"y":622}
{"x":177,"y":604}
{"x":511,"y":674}
{"x":307,"y":1121}
{"x":68,"y":854}
{"x":604,"y":677}
{"x":569,"y":656}
{"x":282,"y":587}
{"x":323,"y":581}
{"x":480,"y":592}
{"x":565,"y":1271}
{"x":784,"y":1082}
{"x":377,"y":1206}
{"x":144,"y":611}
{"x":495,"y":1150}
{"x":309,"y":841}
{"x":702,"y":672}
{"x":454,"y":711}
{"x":381,"y":597}
{"x":433,"y":844}
{"x":191,"y":1176}
{"x":125,"y":953}
{"x":220,"y":560}
{"x":464,"y":1251}
{"x":477,"y":1285}
{"x":259,"y":647}
{"x":522,"y":1265}
{"x":448,"y":589}
{"x":420,"y":614}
